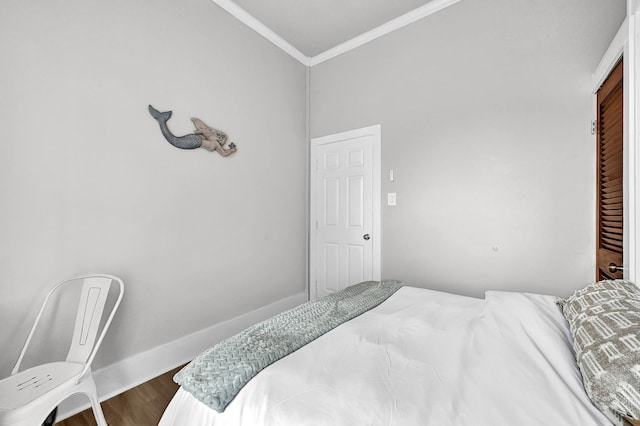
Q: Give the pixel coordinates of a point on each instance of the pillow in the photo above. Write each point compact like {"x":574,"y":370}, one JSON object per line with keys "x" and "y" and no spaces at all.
{"x":604,"y":318}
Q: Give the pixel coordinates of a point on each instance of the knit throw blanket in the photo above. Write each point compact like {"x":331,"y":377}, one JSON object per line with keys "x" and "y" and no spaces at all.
{"x":217,"y":375}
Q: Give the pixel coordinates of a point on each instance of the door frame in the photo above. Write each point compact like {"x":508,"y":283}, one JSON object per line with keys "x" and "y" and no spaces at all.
{"x":624,"y":45}
{"x":375,"y":132}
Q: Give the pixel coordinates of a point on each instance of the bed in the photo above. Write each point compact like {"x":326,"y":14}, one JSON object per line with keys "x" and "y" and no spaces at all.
{"x":423,"y":357}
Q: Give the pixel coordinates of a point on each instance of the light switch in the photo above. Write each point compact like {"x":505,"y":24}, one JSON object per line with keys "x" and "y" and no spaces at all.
{"x":391,"y":199}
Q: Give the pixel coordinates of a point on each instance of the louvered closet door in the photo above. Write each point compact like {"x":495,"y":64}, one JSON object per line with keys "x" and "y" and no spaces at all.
{"x":610,"y":164}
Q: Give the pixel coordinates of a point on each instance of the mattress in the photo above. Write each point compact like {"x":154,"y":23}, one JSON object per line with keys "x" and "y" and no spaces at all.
{"x":419,"y":358}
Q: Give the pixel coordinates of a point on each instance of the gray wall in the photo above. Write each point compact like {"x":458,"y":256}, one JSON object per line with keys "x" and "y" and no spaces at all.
{"x":89,"y":184}
{"x":485,"y":110}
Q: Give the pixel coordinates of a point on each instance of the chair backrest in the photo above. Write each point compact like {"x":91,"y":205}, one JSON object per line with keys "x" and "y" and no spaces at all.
{"x":91,"y":309}
{"x":93,"y":298}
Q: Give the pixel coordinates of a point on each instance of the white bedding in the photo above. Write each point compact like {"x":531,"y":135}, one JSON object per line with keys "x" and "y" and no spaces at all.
{"x":420,"y":358}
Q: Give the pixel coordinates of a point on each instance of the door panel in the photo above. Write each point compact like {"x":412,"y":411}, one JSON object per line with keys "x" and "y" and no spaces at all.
{"x":610,"y":200}
{"x":331,"y":202}
{"x":355,"y":206}
{"x":330,"y":261}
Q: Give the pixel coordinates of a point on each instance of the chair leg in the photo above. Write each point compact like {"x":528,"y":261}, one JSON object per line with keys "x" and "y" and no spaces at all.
{"x":97,"y":410}
{"x":95,"y":403}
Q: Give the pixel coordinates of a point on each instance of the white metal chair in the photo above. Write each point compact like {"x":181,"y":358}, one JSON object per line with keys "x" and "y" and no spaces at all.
{"x":27,"y":397}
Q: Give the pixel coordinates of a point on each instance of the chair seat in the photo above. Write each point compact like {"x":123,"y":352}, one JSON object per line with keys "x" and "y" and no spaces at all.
{"x":22,"y":388}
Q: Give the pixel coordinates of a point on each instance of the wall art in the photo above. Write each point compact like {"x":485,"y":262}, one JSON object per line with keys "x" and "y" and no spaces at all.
{"x":204,"y":136}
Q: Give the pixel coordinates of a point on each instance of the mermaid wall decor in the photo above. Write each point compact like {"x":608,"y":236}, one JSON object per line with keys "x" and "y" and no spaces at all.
{"x":203,"y":137}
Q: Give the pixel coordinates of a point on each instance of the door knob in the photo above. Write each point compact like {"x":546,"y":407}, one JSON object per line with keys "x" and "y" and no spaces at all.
{"x":613,"y":268}
{"x":366,"y":237}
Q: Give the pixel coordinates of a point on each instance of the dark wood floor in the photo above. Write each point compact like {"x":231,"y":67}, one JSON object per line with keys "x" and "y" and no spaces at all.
{"x":140,"y":406}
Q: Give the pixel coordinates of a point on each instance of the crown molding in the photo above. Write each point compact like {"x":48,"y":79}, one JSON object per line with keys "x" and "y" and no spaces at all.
{"x":247,"y":19}
{"x":395,"y":24}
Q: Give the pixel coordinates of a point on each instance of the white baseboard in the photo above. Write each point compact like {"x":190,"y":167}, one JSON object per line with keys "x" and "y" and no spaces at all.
{"x":131,"y":372}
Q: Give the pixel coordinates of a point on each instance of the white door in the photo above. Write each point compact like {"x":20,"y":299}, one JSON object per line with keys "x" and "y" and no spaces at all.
{"x":345,"y":210}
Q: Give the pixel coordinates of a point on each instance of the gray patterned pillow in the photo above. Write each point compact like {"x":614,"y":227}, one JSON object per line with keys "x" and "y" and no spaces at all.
{"x":605,"y":324}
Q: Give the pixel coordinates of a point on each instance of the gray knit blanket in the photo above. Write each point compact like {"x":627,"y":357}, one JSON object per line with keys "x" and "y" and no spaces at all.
{"x":217,"y":375}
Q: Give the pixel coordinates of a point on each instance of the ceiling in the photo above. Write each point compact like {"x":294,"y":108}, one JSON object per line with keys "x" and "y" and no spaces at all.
{"x":315,"y":26}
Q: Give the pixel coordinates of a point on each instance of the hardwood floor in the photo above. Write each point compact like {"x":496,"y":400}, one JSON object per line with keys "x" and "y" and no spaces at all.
{"x":140,"y":406}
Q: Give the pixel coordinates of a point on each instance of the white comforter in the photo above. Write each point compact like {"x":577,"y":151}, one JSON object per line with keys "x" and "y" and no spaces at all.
{"x":420,"y":358}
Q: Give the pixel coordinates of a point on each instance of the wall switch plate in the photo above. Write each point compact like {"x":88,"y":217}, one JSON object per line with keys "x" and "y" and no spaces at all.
{"x":391,"y":199}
